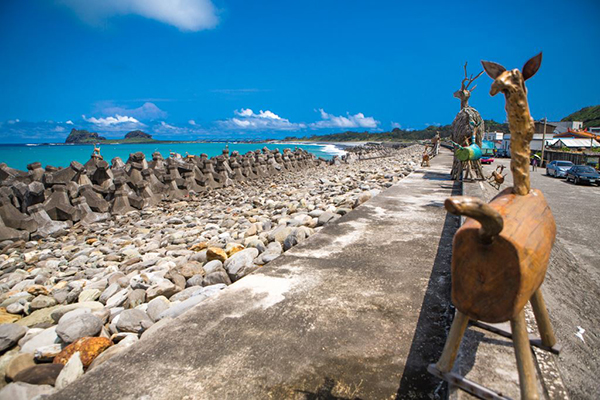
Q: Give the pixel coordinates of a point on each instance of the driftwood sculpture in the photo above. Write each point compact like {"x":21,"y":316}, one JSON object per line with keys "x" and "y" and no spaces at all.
{"x":435,"y":143}
{"x":426,"y":157}
{"x":501,"y":253}
{"x":470,"y":155}
{"x":96,"y":152}
{"x":466,"y":123}
{"x":496,"y":179}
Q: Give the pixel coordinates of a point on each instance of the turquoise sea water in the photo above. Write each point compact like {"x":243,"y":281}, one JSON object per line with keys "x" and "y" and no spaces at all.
{"x":18,"y":156}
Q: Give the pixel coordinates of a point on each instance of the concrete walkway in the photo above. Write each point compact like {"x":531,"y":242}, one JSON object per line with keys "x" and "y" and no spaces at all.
{"x":356,"y":311}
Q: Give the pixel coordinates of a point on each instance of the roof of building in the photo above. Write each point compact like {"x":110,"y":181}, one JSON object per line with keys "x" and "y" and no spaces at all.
{"x":568,"y":142}
{"x":577,"y":135}
{"x":536,"y":136}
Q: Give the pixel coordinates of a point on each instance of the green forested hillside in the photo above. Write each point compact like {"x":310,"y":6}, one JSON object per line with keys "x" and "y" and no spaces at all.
{"x":590,"y":116}
{"x":397,"y":134}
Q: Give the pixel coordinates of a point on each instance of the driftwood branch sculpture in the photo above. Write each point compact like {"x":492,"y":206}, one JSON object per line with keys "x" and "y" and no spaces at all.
{"x":466,"y":124}
{"x":500,"y":254}
{"x":496,"y":179}
{"x":465,"y":93}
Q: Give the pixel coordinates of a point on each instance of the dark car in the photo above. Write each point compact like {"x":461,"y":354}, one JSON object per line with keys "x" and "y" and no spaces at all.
{"x":502,"y":153}
{"x":583,"y":174}
{"x":558,"y":168}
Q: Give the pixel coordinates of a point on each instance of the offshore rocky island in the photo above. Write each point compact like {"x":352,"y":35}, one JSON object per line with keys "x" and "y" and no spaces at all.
{"x":82,"y":136}
{"x":97,"y":256}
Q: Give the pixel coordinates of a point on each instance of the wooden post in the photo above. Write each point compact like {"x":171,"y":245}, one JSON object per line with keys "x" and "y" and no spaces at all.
{"x":544,"y":141}
{"x":542,"y":319}
{"x":527,"y":378}
{"x":457,"y":330}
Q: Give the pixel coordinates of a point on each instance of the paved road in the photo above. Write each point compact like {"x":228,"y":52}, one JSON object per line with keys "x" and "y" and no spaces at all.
{"x":576,"y":209}
{"x":572,"y":286}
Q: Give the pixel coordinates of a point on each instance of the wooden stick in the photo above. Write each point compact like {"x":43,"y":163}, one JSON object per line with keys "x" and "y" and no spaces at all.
{"x":457,"y":330}
{"x":543,"y":320}
{"x":527,"y":378}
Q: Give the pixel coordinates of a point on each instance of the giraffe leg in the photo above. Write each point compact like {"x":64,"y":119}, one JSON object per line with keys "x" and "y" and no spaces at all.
{"x":527,"y":378}
{"x":543,"y":320}
{"x":457,"y":330}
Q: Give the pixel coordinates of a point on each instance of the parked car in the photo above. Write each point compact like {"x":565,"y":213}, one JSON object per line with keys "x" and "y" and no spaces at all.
{"x":487,"y":159}
{"x":557,"y":168}
{"x":488,"y":149}
{"x":502,"y":153}
{"x":582,"y":174}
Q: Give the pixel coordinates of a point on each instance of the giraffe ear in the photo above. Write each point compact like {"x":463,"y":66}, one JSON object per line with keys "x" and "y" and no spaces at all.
{"x":532,"y":66}
{"x":493,"y":69}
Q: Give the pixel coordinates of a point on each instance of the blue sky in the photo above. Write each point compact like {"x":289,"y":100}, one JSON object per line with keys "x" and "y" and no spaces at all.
{"x":226,"y":68}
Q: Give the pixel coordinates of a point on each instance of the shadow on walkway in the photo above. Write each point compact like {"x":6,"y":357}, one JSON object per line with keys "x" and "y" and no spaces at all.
{"x":435,"y":318}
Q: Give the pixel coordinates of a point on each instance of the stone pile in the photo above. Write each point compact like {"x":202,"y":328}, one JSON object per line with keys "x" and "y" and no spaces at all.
{"x":46,"y":202}
{"x":69,"y":303}
{"x":369,"y":151}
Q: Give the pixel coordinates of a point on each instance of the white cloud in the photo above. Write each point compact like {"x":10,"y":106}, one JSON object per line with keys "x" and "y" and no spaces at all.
{"x":69,"y":122}
{"x":116,"y":120}
{"x":244,"y":112}
{"x":189,"y":132}
{"x":264,"y":120}
{"x":349,"y":121}
{"x":167,"y":126}
{"x":147,"y":111}
{"x":192,"y":122}
{"x":187,"y":15}
{"x":396,"y":125}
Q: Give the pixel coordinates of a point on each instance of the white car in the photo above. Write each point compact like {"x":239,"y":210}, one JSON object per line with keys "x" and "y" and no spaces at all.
{"x":558,"y":169}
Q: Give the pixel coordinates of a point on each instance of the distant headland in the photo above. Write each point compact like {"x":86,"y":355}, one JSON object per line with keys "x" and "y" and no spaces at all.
{"x":82,"y":136}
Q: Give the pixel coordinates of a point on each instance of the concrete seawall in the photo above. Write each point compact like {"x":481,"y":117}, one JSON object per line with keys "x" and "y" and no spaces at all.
{"x":357,"y":311}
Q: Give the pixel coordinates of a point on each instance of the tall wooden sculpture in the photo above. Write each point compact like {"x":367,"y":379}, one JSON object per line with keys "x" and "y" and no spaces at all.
{"x":468,"y":123}
{"x":501,"y":253}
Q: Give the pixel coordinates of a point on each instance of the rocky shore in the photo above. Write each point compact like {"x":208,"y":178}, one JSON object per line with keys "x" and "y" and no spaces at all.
{"x":95,"y":257}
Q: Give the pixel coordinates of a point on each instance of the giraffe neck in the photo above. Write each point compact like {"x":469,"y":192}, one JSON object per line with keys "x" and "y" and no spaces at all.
{"x":521,"y":129}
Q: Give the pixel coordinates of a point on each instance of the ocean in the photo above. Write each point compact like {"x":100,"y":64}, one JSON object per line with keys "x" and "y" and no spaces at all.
{"x":60,"y":155}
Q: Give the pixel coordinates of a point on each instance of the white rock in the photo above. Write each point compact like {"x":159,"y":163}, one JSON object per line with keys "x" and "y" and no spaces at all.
{"x":71,"y":372}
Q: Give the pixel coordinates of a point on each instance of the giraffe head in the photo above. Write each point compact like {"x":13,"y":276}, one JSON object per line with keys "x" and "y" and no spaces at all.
{"x":513,"y":81}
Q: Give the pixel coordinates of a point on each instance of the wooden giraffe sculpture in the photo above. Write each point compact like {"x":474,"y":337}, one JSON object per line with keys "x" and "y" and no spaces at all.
{"x":500,"y":254}
{"x":512,"y":85}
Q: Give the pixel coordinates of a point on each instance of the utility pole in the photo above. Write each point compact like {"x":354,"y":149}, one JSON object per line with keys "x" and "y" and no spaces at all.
{"x":543,"y":142}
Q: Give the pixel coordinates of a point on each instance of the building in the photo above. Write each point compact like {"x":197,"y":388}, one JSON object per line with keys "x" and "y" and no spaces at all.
{"x":550,"y":127}
{"x":564,"y":126}
{"x":570,"y":129}
{"x":573,"y":144}
{"x":578,"y":135}
{"x":536,"y":142}
{"x":493,"y":136}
